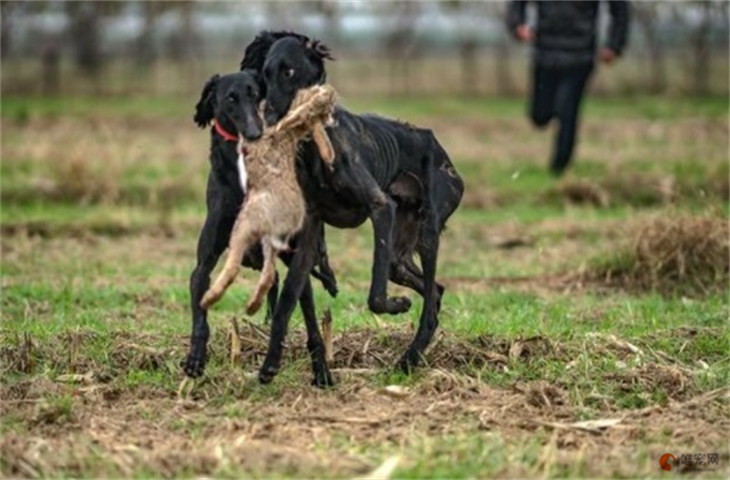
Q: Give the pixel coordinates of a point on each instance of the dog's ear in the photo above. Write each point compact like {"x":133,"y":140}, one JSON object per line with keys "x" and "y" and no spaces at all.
{"x":319,"y":50}
{"x":205,"y":108}
{"x":255,"y":54}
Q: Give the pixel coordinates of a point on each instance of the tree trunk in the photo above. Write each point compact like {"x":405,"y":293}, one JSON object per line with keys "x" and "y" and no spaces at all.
{"x":145,"y":52}
{"x":85,"y":37}
{"x":701,"y":47}
{"x":502,"y":70}
{"x":645,"y":14}
{"x":50,"y":68}
{"x":5,"y":28}
{"x":468,"y":55}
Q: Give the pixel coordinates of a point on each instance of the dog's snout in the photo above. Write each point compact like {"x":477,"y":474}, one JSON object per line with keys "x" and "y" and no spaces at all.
{"x":270,"y":115}
{"x":252,"y":134}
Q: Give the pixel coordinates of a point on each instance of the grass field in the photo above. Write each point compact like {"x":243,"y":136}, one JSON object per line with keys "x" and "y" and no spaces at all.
{"x":541,"y":367}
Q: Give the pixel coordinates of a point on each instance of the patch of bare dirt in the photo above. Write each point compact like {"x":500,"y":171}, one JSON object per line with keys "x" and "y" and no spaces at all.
{"x":230,"y":424}
{"x":301,"y":430}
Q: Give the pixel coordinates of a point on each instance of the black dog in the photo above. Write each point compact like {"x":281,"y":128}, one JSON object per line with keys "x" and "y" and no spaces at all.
{"x":397,"y":175}
{"x":232,"y":102}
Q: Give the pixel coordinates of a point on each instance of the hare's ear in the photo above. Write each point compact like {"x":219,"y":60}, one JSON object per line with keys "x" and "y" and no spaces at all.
{"x":205,"y":108}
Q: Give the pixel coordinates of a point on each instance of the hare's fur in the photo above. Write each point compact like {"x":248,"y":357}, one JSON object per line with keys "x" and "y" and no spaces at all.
{"x":274,"y":208}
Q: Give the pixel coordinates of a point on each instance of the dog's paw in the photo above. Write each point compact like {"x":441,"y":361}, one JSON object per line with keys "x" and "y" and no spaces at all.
{"x":398,"y":305}
{"x":392,"y":305}
{"x":322,"y":378}
{"x":267,"y":374}
{"x":409,"y":361}
{"x":194,"y":365}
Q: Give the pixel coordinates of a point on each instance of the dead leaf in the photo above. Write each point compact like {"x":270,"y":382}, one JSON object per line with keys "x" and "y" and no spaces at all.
{"x":515,"y":351}
{"x":592,"y":426}
{"x":397,"y":391}
{"x":329,"y":354}
{"x":76,"y":378}
{"x":384,"y":471}
{"x":233,"y":332}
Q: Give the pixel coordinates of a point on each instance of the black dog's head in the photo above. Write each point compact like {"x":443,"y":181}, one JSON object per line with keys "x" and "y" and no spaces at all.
{"x":233,"y":99}
{"x":289,"y":62}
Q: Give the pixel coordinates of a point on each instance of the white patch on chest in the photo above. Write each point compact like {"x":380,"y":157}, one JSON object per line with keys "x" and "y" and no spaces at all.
{"x":241,"y":165}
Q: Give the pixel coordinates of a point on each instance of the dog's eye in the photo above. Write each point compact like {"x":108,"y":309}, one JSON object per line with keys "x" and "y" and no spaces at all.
{"x":232,"y":98}
{"x":289,"y":73}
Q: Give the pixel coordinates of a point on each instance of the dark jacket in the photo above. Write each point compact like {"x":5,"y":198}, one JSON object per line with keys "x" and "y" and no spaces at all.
{"x":566,"y":31}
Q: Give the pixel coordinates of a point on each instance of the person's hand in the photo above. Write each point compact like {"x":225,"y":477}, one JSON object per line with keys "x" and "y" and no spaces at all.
{"x":524,"y":33}
{"x":606,"y":55}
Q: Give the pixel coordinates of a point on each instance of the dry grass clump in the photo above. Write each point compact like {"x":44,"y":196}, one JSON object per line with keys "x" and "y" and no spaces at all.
{"x":680,"y":255}
{"x":639,"y":189}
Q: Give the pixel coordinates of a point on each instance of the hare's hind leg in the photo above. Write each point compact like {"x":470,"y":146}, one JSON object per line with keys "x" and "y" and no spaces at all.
{"x":243,"y":237}
{"x":267,"y":277}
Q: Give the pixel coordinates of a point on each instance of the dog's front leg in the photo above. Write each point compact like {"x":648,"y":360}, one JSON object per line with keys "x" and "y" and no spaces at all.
{"x":296,"y":279}
{"x":211,"y":244}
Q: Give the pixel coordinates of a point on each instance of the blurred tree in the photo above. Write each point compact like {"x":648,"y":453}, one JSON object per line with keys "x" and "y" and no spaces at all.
{"x":701,"y":47}
{"x":646,"y":14}
{"x":467,"y":42}
{"x":145,"y":51}
{"x":6,"y":24}
{"x":84,"y":32}
{"x":331,"y":11}
{"x":701,"y":21}
{"x":185,"y":43}
{"x":400,"y":42}
{"x":504,"y":82}
{"x":51,"y":67}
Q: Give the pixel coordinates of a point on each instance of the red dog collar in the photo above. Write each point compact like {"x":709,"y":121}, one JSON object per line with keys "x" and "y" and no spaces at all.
{"x":228,"y":136}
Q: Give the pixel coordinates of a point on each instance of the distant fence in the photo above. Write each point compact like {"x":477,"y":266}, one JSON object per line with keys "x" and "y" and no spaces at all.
{"x":383,"y":48}
{"x":487,"y":75}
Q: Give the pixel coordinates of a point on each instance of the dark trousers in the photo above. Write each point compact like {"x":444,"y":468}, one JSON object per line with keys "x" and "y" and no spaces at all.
{"x":556,"y":93}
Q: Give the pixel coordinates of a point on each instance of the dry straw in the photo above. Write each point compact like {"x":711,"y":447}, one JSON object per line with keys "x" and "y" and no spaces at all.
{"x":684,"y":254}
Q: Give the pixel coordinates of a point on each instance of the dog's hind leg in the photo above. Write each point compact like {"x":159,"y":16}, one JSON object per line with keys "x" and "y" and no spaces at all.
{"x":428,"y":250}
{"x":266,"y":279}
{"x":406,"y":235}
{"x":406,"y":273}
{"x":382,"y":213}
{"x":242,"y":238}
